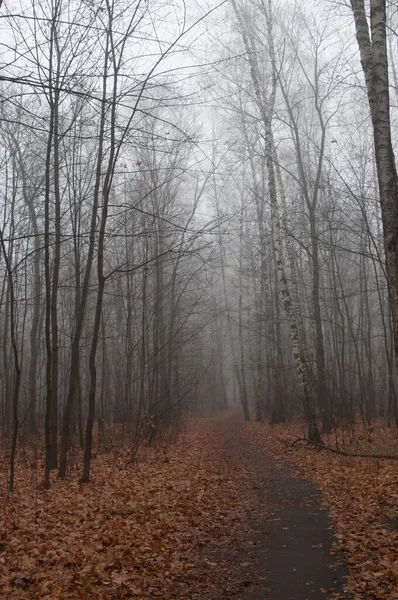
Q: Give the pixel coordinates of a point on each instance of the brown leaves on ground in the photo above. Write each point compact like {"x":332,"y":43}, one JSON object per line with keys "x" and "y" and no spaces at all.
{"x":142,"y":531}
{"x":361,"y":495}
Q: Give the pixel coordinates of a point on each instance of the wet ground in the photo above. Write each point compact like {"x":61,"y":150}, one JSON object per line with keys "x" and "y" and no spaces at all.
{"x":285,"y":552}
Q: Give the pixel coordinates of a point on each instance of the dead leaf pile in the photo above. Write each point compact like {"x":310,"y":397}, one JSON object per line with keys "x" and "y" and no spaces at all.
{"x":142,"y":531}
{"x":361,"y":495}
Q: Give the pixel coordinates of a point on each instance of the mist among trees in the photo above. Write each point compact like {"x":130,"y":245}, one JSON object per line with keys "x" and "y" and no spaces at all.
{"x":199,"y":211}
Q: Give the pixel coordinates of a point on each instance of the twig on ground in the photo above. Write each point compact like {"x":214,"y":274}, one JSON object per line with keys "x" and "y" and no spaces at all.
{"x":343,"y":452}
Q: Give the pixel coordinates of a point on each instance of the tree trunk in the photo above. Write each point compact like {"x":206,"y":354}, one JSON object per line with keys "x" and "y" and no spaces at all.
{"x":74,"y":376}
{"x":373,"y":52}
{"x":266,"y":107}
{"x":17,"y":366}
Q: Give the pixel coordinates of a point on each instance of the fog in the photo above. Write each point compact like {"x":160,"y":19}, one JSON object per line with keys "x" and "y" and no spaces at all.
{"x":191,"y":220}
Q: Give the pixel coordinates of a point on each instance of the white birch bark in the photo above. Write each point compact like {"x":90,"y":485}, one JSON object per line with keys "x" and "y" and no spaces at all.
{"x":372,"y":42}
{"x":266,"y":106}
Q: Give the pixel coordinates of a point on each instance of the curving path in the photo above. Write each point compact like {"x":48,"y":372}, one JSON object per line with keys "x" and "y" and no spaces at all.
{"x":284,"y":554}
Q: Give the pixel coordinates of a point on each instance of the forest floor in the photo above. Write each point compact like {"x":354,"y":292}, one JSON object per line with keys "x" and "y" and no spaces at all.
{"x":230,"y":511}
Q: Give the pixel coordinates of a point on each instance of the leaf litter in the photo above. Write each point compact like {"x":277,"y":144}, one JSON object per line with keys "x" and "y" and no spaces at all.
{"x":136,"y":531}
{"x":361,"y":495}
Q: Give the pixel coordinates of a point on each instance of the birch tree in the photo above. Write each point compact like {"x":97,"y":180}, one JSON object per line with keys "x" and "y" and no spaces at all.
{"x":371,"y":34}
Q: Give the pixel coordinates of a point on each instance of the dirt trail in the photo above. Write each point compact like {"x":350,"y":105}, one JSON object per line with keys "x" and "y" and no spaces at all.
{"x":284,"y":554}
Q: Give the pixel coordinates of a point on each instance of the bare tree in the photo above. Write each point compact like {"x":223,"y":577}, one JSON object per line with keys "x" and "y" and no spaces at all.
{"x":372,"y":43}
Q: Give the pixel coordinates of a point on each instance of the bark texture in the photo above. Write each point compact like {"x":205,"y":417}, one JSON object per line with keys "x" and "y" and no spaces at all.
{"x":372,"y":42}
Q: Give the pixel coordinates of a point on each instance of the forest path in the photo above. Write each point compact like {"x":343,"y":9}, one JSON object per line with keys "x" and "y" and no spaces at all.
{"x":284,"y":554}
